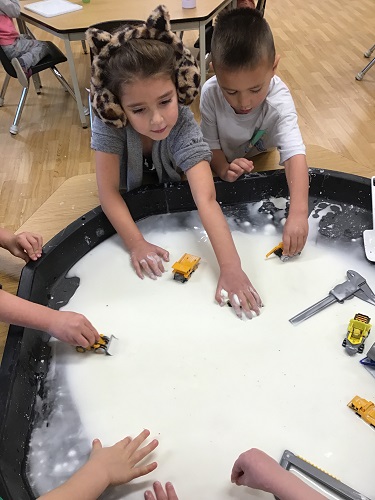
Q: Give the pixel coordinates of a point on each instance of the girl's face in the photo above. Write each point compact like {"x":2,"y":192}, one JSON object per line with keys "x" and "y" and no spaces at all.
{"x":151,"y":106}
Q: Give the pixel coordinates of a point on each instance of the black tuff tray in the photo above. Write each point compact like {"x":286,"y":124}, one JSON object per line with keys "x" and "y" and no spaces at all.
{"x":25,"y":360}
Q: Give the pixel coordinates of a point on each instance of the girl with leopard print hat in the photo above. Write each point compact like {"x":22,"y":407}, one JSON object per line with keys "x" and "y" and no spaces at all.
{"x":143,"y":79}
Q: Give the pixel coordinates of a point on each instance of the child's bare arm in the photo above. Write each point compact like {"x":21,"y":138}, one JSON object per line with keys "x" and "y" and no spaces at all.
{"x":229,"y":172}
{"x":242,"y":294}
{"x":24,"y":245}
{"x":10,"y":8}
{"x":107,"y":466}
{"x":296,"y":227}
{"x":146,"y":258}
{"x":256,"y":469}
{"x":66,"y":326}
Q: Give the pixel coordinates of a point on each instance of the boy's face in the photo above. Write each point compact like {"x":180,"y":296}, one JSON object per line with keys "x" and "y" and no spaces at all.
{"x":245,"y":89}
{"x":151,"y":106}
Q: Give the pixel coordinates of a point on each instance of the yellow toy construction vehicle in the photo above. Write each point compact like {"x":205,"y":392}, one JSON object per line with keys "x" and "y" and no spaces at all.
{"x":358,"y":330}
{"x":103,"y":346}
{"x":278,"y":250}
{"x":183,"y":268}
{"x":364,"y":409}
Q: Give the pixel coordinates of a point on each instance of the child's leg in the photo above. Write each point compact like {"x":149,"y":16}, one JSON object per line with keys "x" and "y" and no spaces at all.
{"x":27,"y":50}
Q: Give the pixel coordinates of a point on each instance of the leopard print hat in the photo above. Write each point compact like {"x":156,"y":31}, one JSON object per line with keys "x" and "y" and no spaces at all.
{"x":104,"y":44}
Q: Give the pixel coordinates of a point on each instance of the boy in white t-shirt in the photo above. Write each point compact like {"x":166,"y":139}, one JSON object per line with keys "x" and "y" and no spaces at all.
{"x":246,"y":109}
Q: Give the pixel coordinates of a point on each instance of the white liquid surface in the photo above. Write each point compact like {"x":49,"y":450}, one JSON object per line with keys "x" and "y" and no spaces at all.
{"x":208,"y":385}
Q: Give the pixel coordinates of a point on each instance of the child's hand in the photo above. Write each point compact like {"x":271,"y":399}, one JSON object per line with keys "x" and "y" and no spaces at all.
{"x":24,"y":245}
{"x":72,"y":328}
{"x":295,"y":234}
{"x":241,"y":293}
{"x":160,"y":494}
{"x":119,"y":462}
{"x":147,"y":258}
{"x":255,"y":469}
{"x":238,"y":167}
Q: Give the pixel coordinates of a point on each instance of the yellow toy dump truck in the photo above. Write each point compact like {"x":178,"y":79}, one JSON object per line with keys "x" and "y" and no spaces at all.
{"x":103,"y":346}
{"x":183,"y":268}
{"x":364,"y":409}
{"x":358,"y":330}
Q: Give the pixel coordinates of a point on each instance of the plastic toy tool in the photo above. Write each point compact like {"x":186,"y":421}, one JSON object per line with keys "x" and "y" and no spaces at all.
{"x":354,"y":286}
{"x":320,"y":477}
{"x":278,"y":250}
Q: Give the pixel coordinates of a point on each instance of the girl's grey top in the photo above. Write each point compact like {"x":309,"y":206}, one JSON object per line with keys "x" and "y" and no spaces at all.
{"x":182,"y":149}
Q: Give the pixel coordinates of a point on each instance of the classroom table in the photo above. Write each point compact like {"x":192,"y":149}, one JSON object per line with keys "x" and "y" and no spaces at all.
{"x":71,"y":27}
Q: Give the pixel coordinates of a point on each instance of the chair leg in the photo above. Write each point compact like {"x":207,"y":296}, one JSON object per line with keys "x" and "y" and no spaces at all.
{"x":4,"y":89}
{"x":37,"y":83}
{"x":14,"y":128}
{"x":369,"y":51}
{"x":84,"y":46}
{"x":67,"y":87}
{"x":361,"y":74}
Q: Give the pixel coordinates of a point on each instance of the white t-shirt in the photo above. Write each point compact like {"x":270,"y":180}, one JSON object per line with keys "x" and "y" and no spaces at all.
{"x":273,"y":124}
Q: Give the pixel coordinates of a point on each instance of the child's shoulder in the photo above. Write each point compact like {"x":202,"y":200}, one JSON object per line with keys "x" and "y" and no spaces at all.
{"x":210,"y":87}
{"x":279,"y":96}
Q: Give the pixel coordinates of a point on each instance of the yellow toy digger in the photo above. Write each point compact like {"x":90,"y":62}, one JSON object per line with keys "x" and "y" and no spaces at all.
{"x":105,"y":345}
{"x":278,"y":250}
{"x":358,"y":330}
{"x":183,"y":268}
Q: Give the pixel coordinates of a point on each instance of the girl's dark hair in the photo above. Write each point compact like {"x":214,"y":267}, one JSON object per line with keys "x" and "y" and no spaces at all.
{"x":242,"y":39}
{"x":138,"y":59}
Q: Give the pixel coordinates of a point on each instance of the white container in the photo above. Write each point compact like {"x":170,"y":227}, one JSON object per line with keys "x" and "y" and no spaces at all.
{"x":189,"y":4}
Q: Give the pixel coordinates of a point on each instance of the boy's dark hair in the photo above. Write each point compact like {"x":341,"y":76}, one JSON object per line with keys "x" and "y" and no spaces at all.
{"x":242,"y":39}
{"x":138,"y":59}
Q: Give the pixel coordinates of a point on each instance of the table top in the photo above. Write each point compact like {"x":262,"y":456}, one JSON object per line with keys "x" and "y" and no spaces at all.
{"x":97,"y":11}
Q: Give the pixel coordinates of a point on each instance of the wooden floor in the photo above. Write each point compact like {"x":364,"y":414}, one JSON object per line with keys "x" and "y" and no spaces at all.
{"x":321,"y":45}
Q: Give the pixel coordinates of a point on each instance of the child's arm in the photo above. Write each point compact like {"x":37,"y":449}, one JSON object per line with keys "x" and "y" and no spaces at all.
{"x":229,"y":172}
{"x":145,"y":257}
{"x":106,"y":466}
{"x":66,"y":326}
{"x":296,"y":227}
{"x":10,"y":8}
{"x":256,"y":469}
{"x":160,"y":494}
{"x":24,"y":245}
{"x":241,"y":292}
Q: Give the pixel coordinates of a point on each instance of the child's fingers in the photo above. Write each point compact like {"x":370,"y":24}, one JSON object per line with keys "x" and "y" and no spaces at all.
{"x":171,"y":492}
{"x":96,"y":444}
{"x":164,"y":254}
{"x":138,"y":440}
{"x":146,"y":268}
{"x":137,"y":268}
{"x":155,"y":263}
{"x":143,"y":452}
{"x":32,"y":246}
{"x":142,"y":470}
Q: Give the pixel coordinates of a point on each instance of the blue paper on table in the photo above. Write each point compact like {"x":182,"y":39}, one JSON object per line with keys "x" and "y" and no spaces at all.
{"x":51,"y":8}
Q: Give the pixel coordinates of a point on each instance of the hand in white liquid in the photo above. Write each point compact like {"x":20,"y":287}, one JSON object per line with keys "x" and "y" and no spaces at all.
{"x":120,"y":462}
{"x":241,"y":293}
{"x":256,"y":469}
{"x":160,"y":494}
{"x":71,"y":327}
{"x":295,"y":234}
{"x":148,"y":259}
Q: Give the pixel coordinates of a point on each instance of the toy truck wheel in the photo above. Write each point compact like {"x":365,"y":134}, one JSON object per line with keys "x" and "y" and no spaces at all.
{"x":344,"y":343}
{"x":80,"y":349}
{"x":100,"y":350}
{"x":361,"y":348}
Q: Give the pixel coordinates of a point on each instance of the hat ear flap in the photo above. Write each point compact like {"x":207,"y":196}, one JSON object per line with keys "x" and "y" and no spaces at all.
{"x":159,"y":19}
{"x":97,"y":39}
